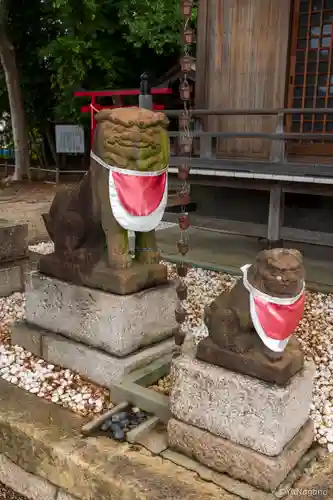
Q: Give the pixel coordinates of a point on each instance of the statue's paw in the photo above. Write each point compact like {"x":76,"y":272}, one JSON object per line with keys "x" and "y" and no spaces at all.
{"x":120,"y":262}
{"x":147,"y":257}
{"x":271,"y":355}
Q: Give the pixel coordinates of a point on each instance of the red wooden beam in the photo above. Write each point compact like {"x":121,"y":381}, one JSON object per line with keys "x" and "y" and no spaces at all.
{"x":109,"y":93}
{"x":93,"y":94}
{"x":87,"y":109}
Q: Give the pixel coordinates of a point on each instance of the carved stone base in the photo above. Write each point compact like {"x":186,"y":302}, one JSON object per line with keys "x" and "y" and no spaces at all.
{"x":119,"y":281}
{"x":94,"y":364}
{"x":242,"y":409}
{"x":117,"y":324}
{"x":254,"y":362}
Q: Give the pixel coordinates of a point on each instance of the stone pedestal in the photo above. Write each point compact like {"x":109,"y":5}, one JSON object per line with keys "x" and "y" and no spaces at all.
{"x":240,"y":425}
{"x":100,"y":335}
{"x":13,"y":252}
{"x":254,"y":362}
{"x":93,"y":364}
{"x":225,"y":456}
{"x":118,"y":325}
{"x":101,"y":277}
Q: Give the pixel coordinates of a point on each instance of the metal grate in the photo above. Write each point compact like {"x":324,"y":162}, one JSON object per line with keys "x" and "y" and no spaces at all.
{"x":311,"y":72}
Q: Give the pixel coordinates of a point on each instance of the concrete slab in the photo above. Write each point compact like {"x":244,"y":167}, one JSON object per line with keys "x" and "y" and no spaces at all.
{"x":45,"y":440}
{"x":13,"y":241}
{"x":246,"y":410}
{"x":93,"y":364}
{"x":134,"y":388}
{"x":225,"y":456}
{"x":118,"y":325}
{"x":142,"y":430}
{"x":156,"y":441}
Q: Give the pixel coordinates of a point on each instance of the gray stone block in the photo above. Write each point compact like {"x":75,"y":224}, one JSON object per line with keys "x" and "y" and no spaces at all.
{"x":246,"y":410}
{"x":24,"y":483}
{"x":30,"y":338}
{"x":11,"y":278}
{"x":96,"y":365}
{"x":242,"y":463}
{"x":119,"y":325}
{"x":242,"y":490}
{"x":13,"y":241}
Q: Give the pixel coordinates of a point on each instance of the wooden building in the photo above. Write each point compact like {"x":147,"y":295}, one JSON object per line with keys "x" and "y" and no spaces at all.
{"x":265,"y":65}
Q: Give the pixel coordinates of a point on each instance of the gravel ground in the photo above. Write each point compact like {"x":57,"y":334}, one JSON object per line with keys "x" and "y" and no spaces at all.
{"x":8,"y":494}
{"x":68,"y":389}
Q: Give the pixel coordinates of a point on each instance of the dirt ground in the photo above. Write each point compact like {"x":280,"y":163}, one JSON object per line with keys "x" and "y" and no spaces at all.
{"x":25,"y":203}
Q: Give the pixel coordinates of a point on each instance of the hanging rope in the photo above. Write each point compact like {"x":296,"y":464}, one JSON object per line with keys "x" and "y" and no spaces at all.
{"x":185,"y":145}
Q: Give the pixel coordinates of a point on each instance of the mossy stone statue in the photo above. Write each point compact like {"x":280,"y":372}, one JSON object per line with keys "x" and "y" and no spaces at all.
{"x":125,"y":189}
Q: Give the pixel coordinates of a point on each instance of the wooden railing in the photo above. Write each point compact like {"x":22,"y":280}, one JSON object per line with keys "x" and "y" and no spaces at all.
{"x":278,"y":138}
{"x":282,"y":175}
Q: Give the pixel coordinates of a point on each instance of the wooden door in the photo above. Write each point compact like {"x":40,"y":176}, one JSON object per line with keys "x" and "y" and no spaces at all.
{"x":311,"y":73}
{"x":242,"y":59}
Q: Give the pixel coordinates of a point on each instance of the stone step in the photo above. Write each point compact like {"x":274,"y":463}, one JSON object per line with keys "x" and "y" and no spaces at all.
{"x":44,"y":456}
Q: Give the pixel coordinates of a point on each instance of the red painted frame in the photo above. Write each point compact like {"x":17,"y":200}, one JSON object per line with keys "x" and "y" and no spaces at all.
{"x":93,"y":94}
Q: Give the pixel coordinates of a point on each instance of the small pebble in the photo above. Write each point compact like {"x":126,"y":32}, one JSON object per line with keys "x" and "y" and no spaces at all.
{"x":121,"y":415}
{"x":106,"y":425}
{"x":117,"y":432}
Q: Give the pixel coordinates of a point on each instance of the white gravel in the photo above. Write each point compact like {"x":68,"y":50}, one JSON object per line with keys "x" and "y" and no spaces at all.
{"x":68,"y":389}
{"x":37,"y":376}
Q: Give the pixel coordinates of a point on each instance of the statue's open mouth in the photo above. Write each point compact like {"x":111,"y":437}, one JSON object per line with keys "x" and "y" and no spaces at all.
{"x":133,"y":144}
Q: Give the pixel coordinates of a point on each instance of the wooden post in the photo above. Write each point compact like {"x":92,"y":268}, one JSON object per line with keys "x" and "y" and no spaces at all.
{"x":275,"y":216}
{"x":205,"y":142}
{"x":57,"y":179}
{"x":92,"y":120}
{"x":145,"y":97}
{"x":277,"y":153}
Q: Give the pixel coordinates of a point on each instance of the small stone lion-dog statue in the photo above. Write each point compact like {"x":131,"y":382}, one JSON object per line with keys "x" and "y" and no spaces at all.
{"x":251,"y":325}
{"x":124,"y":190}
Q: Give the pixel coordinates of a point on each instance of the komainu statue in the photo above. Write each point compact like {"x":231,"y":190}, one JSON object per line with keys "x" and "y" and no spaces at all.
{"x":251,"y":325}
{"x":125,"y":189}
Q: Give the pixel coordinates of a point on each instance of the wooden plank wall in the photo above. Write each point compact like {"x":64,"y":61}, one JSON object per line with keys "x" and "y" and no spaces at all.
{"x":242,"y":54}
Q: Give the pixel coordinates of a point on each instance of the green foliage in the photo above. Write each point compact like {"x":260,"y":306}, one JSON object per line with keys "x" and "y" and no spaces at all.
{"x":64,"y":45}
{"x":154,"y":23}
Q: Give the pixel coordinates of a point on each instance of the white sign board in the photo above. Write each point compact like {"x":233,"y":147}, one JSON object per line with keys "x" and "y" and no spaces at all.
{"x":69,"y":139}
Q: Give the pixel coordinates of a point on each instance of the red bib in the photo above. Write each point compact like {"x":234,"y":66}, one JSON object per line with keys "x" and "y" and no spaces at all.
{"x":274,"y":319}
{"x":139,"y":195}
{"x":137,"y":199}
{"x":279,"y":321}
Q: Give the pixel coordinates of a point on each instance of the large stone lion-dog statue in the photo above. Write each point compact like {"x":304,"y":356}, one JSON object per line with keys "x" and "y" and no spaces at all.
{"x":125,"y":189}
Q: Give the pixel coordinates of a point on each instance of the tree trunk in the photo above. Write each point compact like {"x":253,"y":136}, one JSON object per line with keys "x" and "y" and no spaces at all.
{"x":19,"y":125}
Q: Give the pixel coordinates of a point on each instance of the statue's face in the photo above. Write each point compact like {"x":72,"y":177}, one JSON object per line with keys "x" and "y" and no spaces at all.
{"x":278,"y":272}
{"x":133,"y":138}
{"x":135,"y":149}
